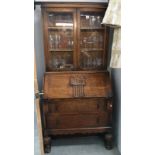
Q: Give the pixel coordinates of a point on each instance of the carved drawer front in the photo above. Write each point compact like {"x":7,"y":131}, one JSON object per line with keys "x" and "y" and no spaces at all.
{"x":64,"y":121}
{"x":77,"y":105}
{"x":76,"y":85}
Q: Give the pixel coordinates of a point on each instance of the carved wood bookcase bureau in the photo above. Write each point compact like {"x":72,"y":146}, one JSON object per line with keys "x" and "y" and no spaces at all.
{"x":77,"y":87}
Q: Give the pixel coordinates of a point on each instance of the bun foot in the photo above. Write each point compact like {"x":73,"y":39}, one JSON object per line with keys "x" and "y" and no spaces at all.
{"x":47,"y":144}
{"x":108,"y":141}
{"x":47,"y":148}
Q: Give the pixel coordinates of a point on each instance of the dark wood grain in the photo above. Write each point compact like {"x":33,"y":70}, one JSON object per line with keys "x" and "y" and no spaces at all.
{"x":75,"y":10}
{"x":77,"y":101}
{"x":87,"y":105}
{"x":73,"y":131}
{"x":74,"y":5}
{"x":57,"y":85}
{"x":83,"y":120}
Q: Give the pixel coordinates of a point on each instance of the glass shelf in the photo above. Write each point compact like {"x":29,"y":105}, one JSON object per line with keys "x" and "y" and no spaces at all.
{"x":92,"y":28}
{"x":60,"y":28}
{"x":61,"y":50}
{"x":67,"y":67}
{"x":92,"y":49}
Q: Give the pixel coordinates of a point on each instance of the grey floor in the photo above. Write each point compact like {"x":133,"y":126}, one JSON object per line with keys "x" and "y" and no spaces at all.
{"x":36,"y":138}
{"x":91,"y":145}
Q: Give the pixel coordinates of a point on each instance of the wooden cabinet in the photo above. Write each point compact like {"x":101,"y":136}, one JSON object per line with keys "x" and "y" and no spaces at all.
{"x":77,"y":87}
{"x":74,"y":38}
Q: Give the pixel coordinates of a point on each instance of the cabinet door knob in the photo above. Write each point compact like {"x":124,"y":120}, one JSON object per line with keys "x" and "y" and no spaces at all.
{"x":109,"y":105}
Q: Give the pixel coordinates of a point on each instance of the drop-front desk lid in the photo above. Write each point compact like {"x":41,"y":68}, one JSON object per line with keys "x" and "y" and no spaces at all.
{"x":76,"y":84}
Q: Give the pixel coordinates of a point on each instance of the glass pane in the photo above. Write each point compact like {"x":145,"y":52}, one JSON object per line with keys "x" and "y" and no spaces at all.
{"x":91,"y":60}
{"x":60,"y":19}
{"x":60,"y":38}
{"x":91,"y":20}
{"x":91,"y":40}
{"x":61,"y":61}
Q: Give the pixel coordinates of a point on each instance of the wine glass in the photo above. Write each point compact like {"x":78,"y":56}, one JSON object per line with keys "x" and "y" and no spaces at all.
{"x":50,"y":41}
{"x":99,"y":21}
{"x":100,"y":41}
{"x":51,"y":19}
{"x":99,"y":62}
{"x":89,"y":62}
{"x":63,"y":62}
{"x":92,"y":21}
{"x":55,"y":62}
{"x":94,"y":62}
{"x":69,"y":43}
{"x":57,"y":40}
{"x":85,"y":41}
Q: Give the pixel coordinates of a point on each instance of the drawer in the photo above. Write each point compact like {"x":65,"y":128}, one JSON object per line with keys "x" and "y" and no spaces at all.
{"x":78,"y":105}
{"x":64,"y":121}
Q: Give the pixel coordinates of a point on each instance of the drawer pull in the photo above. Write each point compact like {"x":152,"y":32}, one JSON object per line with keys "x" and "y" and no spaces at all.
{"x":109,"y":105}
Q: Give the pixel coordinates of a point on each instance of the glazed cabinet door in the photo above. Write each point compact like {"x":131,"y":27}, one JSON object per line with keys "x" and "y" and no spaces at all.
{"x":59,"y":38}
{"x":92,"y":39}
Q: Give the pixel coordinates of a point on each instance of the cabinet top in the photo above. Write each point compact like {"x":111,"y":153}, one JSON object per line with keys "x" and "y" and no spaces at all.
{"x":73,"y":5}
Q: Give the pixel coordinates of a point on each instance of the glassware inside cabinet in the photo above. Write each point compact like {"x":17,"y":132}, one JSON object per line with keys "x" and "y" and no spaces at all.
{"x":61,"y":61}
{"x":91,"y":40}
{"x":60,"y":20}
{"x":60,"y":40}
{"x":91,"y":19}
{"x":87,"y":52}
{"x":91,"y":60}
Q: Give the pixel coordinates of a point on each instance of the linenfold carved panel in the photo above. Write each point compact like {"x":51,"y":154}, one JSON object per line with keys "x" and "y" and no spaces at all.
{"x":78,"y":83}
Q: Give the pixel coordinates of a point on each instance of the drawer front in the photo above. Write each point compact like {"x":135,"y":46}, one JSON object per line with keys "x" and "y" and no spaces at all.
{"x":57,"y":121}
{"x":77,"y":105}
